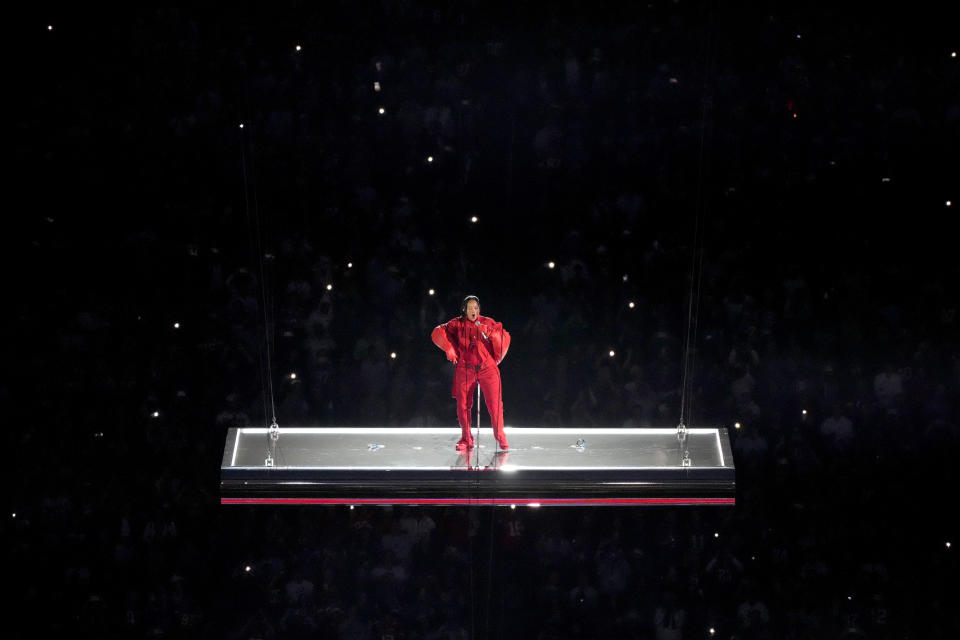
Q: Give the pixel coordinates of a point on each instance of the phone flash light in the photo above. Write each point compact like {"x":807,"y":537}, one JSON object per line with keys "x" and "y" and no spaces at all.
{"x":247,"y":568}
{"x":393,"y":354}
{"x":156,"y":414}
{"x":381,"y":110}
{"x":804,"y":412}
{"x":612,"y":353}
{"x":293,"y":376}
{"x":716,"y":534}
{"x":429,"y":158}
{"x":176,"y":325}
{"x":349,"y":265}
{"x":736,"y":425}
{"x":948,"y":545}
{"x":473,"y":219}
{"x":297,"y":47}
{"x":631,"y":305}
{"x":431,"y":292}
{"x":551,"y":264}
{"x":329,"y":287}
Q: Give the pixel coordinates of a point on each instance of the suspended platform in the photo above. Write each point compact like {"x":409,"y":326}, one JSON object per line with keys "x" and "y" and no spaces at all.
{"x":419,"y":466}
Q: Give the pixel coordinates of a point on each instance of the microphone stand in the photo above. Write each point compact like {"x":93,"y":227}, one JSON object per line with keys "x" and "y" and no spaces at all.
{"x":476,"y":440}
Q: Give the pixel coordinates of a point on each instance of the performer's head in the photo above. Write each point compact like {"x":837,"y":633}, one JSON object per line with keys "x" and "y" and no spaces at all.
{"x":470,"y":309}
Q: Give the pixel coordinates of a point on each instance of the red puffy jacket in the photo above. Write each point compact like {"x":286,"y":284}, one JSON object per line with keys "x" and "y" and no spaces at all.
{"x":489,"y":337}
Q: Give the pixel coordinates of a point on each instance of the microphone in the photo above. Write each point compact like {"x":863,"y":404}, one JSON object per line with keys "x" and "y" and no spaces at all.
{"x":479,"y":326}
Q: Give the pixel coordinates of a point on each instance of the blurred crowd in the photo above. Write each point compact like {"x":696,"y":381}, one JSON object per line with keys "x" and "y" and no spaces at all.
{"x":606,"y":194}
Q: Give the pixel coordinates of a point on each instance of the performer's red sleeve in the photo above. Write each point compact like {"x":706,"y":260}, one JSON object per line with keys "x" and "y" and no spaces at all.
{"x":499,"y":339}
{"x":439,"y":337}
{"x":504,"y":346}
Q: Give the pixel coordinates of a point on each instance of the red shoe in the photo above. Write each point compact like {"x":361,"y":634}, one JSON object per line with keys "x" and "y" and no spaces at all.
{"x":504,"y":446}
{"x":463,"y":445}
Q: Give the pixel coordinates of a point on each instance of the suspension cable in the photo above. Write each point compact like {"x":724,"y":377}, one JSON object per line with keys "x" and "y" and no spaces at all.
{"x":696,"y":257}
{"x":696,"y":326}
{"x":686,"y":345}
{"x":247,"y":188}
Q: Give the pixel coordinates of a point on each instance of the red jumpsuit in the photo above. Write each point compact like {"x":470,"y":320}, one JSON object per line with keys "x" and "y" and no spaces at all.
{"x":476,"y":350}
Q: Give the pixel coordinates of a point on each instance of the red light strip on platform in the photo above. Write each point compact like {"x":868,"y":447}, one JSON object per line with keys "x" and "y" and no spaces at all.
{"x":469,"y":501}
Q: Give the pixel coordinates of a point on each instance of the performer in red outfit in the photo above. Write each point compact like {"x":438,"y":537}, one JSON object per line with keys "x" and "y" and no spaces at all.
{"x":476,"y":345}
